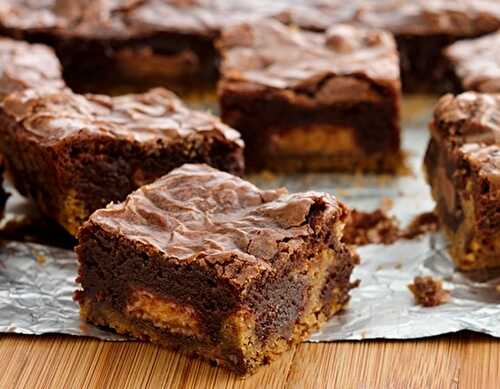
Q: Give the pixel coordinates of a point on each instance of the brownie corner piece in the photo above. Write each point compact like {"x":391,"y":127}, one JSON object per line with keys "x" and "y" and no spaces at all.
{"x":463,"y":169}
{"x":73,"y":154}
{"x":205,"y":262}
{"x":307,"y":101}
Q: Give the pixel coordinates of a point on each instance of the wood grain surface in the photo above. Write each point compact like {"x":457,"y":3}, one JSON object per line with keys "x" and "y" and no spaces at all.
{"x":455,"y":361}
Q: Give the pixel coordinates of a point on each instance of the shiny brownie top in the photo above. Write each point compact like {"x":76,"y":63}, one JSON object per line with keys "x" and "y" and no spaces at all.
{"x":153,"y":118}
{"x":24,"y":65}
{"x":476,"y":63}
{"x":269,"y":53}
{"x":428,"y":17}
{"x":197,"y":214}
{"x":470,"y":123}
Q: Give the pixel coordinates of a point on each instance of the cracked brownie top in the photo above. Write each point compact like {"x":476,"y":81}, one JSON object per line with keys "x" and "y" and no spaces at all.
{"x":152,"y":117}
{"x":268,"y":53}
{"x":197,"y":214}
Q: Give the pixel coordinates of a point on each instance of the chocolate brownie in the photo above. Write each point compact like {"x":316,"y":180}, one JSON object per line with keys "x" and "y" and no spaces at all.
{"x":475,"y":63}
{"x":205,"y":262}
{"x":423,"y":28}
{"x":307,"y":101}
{"x":24,"y":65}
{"x":463,"y":168}
{"x":73,"y":154}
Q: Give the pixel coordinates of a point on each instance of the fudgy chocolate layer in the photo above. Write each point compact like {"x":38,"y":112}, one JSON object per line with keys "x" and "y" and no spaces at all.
{"x":176,"y":61}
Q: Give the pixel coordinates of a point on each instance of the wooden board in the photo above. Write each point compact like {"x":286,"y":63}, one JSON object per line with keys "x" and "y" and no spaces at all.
{"x":458,"y":361}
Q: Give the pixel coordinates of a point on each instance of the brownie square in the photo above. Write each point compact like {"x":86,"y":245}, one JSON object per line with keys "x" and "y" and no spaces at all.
{"x":73,"y":154}
{"x":24,"y":65}
{"x":205,"y":262}
{"x":424,"y":28}
{"x":307,"y":101}
{"x":463,"y":169}
{"x":475,"y":63}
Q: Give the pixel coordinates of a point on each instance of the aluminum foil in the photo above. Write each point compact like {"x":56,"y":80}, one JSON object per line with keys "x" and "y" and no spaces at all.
{"x":37,"y":281}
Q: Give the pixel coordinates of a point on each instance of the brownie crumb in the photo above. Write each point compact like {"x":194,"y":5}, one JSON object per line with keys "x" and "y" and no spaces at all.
{"x":378,"y":227}
{"x":421,"y":224}
{"x":371,"y":228}
{"x":428,"y":291}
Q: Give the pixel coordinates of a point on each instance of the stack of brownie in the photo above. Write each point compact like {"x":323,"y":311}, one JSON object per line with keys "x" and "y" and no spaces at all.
{"x":174,"y":247}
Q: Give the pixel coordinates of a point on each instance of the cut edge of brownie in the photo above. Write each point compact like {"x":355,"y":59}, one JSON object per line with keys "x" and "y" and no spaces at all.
{"x":466,"y":195}
{"x":264,"y":114}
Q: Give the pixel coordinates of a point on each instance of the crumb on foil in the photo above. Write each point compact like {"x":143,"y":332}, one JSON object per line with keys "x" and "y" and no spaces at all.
{"x":428,"y":291}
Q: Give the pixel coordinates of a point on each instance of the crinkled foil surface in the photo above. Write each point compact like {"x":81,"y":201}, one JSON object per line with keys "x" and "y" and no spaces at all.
{"x":37,"y":281}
